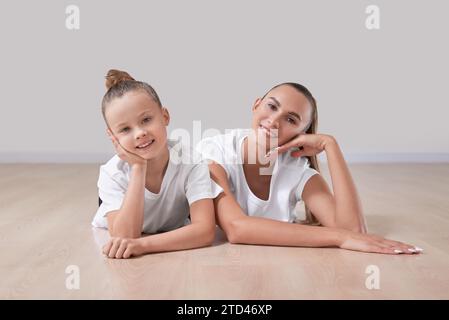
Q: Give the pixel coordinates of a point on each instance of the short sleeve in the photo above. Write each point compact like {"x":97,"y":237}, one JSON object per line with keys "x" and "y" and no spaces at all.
{"x":199,"y":185}
{"x":306,"y":175}
{"x":211,"y":150}
{"x":111,"y":191}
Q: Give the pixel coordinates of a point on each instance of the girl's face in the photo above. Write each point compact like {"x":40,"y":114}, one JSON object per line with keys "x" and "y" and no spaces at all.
{"x":281,"y":115}
{"x":138,"y":123}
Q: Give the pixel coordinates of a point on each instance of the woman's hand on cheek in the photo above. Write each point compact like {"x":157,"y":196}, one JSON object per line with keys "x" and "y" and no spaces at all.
{"x":125,"y":155}
{"x":308,"y":144}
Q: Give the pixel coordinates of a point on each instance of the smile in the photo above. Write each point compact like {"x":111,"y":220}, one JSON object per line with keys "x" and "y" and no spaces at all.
{"x":145,"y":145}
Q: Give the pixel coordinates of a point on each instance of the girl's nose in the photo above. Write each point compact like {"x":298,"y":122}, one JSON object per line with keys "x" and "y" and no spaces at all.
{"x":140,"y":133}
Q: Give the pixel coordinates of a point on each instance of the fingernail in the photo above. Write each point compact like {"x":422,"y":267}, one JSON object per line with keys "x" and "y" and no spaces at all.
{"x":412,"y":250}
{"x":419,"y":249}
{"x":398,"y":251}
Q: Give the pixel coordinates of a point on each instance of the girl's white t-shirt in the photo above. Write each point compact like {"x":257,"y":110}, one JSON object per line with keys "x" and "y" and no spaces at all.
{"x":289,"y":176}
{"x":186,"y":180}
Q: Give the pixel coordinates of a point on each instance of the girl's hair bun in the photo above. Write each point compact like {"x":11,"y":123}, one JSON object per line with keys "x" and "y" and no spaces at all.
{"x":114,"y":77}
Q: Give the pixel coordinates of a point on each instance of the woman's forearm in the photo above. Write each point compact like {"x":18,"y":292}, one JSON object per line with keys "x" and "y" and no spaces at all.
{"x":349,"y":213}
{"x":187,"y":237}
{"x":256,"y":230}
{"x":129,"y":220}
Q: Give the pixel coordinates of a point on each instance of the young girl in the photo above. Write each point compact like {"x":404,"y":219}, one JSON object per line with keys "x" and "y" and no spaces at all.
{"x":153,"y":184}
{"x":258,"y":203}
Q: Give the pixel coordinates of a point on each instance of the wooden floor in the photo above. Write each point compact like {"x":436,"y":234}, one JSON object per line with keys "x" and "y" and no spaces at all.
{"x":45,"y":214}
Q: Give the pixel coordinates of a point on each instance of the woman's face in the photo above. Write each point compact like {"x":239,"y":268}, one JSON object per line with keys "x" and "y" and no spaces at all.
{"x":281,"y":115}
{"x":138,"y":123}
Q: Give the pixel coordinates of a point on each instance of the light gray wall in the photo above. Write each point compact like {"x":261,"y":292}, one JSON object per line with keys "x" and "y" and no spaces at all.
{"x":382,"y":93}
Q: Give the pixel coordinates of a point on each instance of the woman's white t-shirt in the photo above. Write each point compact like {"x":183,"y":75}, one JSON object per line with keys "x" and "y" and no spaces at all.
{"x":288,"y":179}
{"x":186,"y":180}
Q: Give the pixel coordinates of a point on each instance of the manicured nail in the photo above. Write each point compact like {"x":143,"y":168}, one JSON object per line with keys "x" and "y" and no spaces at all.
{"x":398,"y":251}
{"x":419,"y":249}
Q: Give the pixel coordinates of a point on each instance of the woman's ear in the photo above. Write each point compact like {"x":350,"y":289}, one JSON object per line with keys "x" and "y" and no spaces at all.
{"x":166,"y":116}
{"x":256,"y":104}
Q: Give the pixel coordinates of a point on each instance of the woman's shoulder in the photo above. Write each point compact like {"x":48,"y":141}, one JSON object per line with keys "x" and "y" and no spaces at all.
{"x":287,"y":160}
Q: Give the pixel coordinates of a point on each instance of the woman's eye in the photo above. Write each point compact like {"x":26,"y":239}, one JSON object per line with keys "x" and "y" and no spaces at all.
{"x":291,"y":120}
{"x":272,"y":106}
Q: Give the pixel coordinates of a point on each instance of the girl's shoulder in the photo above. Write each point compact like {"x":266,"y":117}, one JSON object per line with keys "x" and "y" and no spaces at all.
{"x":115,"y":168}
{"x":183,"y":157}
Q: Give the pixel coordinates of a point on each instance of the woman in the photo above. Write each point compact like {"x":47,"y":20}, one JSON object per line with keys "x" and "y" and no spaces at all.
{"x":259,"y":199}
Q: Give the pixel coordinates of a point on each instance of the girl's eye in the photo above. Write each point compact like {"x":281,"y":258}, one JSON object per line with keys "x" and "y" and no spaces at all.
{"x":291,"y":120}
{"x":147,"y":119}
{"x":126,"y":129}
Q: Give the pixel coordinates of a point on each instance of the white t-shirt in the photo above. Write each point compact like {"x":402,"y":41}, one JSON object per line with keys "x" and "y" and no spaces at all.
{"x":186,"y":180}
{"x":288,"y":179}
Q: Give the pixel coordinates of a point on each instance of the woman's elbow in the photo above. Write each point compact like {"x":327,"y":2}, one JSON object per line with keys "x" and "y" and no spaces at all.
{"x":360,"y":228}
{"x":353,"y":226}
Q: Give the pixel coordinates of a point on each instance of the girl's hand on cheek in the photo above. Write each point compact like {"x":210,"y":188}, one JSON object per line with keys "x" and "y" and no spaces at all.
{"x":308,"y":144}
{"x":125,"y":155}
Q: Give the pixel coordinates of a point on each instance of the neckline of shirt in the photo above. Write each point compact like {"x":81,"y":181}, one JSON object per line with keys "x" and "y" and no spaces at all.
{"x":252,"y":196}
{"x":168,"y":171}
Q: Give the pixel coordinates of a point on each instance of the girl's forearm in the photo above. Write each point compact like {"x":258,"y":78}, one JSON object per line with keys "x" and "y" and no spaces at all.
{"x":256,"y":230}
{"x":187,"y":237}
{"x":129,"y":220}
{"x":349,"y":214}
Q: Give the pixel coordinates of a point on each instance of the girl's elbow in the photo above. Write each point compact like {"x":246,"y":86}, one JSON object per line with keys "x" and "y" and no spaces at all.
{"x":209,"y":236}
{"x":234,"y":231}
{"x":205,"y":234}
{"x":118,"y":229}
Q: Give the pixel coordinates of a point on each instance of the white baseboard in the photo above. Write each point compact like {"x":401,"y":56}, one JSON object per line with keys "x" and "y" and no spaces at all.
{"x":393,"y":157}
{"x":24,"y":157}
{"x":53,"y":157}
